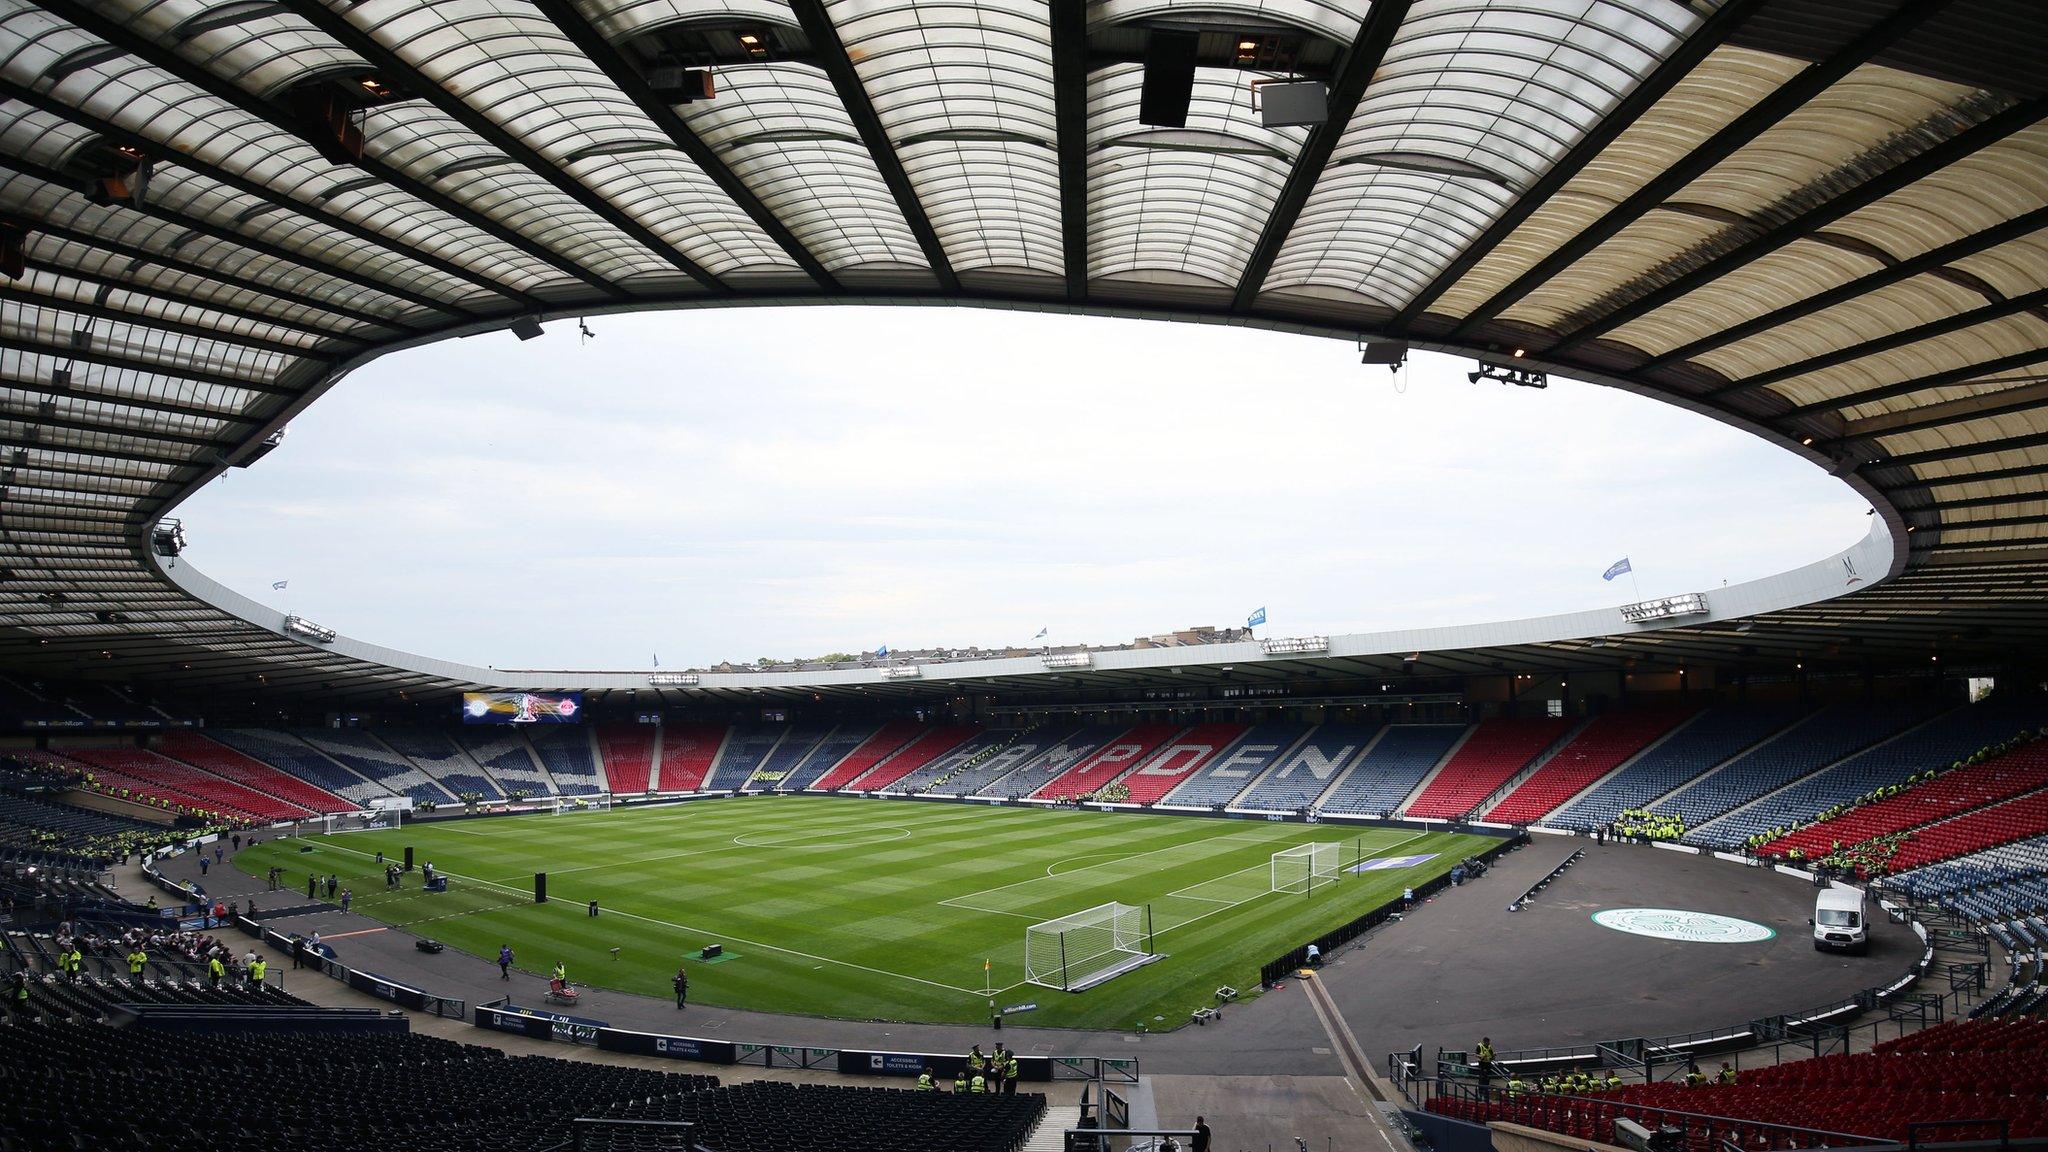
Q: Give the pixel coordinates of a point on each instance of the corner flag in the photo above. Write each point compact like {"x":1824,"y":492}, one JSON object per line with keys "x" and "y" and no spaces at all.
{"x":1255,"y":619}
{"x":1618,"y":568}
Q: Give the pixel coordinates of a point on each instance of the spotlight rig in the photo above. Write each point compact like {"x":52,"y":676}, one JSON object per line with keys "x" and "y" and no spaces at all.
{"x":1519,"y":377}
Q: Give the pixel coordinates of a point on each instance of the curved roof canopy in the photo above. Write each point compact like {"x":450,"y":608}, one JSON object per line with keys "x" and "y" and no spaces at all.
{"x":1822,"y":220}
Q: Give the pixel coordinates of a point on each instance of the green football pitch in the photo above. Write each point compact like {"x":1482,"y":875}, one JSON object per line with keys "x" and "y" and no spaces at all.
{"x":867,"y":909}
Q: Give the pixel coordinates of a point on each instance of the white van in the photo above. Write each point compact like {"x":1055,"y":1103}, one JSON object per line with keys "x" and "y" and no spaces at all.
{"x":1841,"y":920}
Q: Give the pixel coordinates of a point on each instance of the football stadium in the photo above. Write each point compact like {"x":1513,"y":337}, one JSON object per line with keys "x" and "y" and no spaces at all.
{"x":1746,"y":865}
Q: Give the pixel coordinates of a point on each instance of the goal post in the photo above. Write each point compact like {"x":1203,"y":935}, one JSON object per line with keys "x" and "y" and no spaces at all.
{"x":1083,"y":949}
{"x":1306,"y":867}
{"x":588,"y":802}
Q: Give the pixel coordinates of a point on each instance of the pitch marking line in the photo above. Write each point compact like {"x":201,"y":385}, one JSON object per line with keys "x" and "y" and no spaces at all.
{"x":975,"y":992}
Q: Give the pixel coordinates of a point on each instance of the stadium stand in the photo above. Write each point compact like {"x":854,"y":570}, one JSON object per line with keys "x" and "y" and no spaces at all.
{"x":506,"y":756}
{"x":146,"y":771}
{"x":767,"y":1116}
{"x":1391,"y":769}
{"x":741,"y":754}
{"x":436,"y":754}
{"x":1599,"y":748}
{"x":1188,"y":754}
{"x":786,"y":756}
{"x":1953,"y":793}
{"x":2022,"y":818}
{"x":985,"y":758}
{"x":1495,"y":751}
{"x":1937,"y":744}
{"x":288,"y":753}
{"x":1104,"y":766}
{"x":565,"y":751}
{"x":1059,"y":757}
{"x":628,"y":753}
{"x":135,"y":1089}
{"x":1709,"y":740}
{"x":35,"y":825}
{"x":1995,"y":884}
{"x":363,"y":753}
{"x":687,"y":752}
{"x":1296,"y":779}
{"x":910,"y":757}
{"x":883,"y":744}
{"x":226,"y":762}
{"x":837,"y":745}
{"x":1227,"y":773}
{"x":1961,"y":1070}
{"x":1824,"y":738}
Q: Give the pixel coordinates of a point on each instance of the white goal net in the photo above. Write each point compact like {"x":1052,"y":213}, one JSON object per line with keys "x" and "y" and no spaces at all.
{"x":1084,"y":949}
{"x":594,"y":802}
{"x":1306,"y":867}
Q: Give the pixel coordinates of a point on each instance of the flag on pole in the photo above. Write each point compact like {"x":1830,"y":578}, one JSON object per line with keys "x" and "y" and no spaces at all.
{"x":1042,"y":632}
{"x":1618,"y":568}
{"x":1255,"y":619}
{"x":882,"y":651}
{"x":278,"y":585}
{"x":657,"y":659}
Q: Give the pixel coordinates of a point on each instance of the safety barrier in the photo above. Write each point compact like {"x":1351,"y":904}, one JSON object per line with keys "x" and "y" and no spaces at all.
{"x":1530,"y":893}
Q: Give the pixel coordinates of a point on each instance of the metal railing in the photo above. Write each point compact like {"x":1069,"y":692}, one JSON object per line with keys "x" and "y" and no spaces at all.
{"x":1593,"y":1117}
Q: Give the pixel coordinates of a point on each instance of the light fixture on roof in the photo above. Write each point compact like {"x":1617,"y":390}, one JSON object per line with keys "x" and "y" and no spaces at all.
{"x":1296,"y":645}
{"x":168,"y":537}
{"x":1291,"y":103}
{"x":1068,"y":659}
{"x":1519,"y":377}
{"x":300,"y":626}
{"x":671,"y":679}
{"x":679,"y":85}
{"x":1665,"y":608}
{"x":1392,"y":353}
{"x":902,"y":672}
{"x":526,"y":327}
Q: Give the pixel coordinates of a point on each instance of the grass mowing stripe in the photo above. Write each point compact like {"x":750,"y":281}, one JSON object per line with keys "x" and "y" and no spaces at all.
{"x":827,"y":910}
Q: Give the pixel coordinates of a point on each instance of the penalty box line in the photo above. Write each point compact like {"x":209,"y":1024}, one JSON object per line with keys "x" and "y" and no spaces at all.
{"x":735,"y":939}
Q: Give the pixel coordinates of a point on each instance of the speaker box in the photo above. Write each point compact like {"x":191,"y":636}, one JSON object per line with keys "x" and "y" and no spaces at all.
{"x":1169,"y":78}
{"x":408,"y":858}
{"x":540,"y":887}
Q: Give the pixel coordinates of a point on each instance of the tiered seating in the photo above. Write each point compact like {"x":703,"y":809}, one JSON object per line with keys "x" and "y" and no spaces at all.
{"x":1495,"y":751}
{"x":1709,"y":740}
{"x":628,"y":751}
{"x":223,"y":761}
{"x":1387,"y":773}
{"x":366,"y":754}
{"x":27,"y":823}
{"x":1305,"y":773}
{"x":787,"y":755}
{"x":1000,"y":753}
{"x":1107,"y":763}
{"x":2017,"y":819}
{"x":884,"y":744}
{"x":436,"y":754}
{"x":934,"y":742}
{"x":1226,"y":774}
{"x":687,"y":751}
{"x":564,"y":749}
{"x":1936,"y":744}
{"x":837,"y":745}
{"x":283,"y":751}
{"x":1816,"y":742}
{"x":743,"y":752}
{"x":139,"y":1089}
{"x":1188,"y":754}
{"x":1074,"y":746}
{"x":777,"y":1117}
{"x":1950,"y":794}
{"x":146,"y":771}
{"x":1983,"y":1069}
{"x":1597,"y":750}
{"x":505,"y":755}
{"x":1994,"y":884}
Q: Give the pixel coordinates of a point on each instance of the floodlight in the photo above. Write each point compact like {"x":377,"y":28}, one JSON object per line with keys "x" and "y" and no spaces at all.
{"x":526,"y":327}
{"x":902,"y":672}
{"x":1294,"y":645}
{"x":1068,"y":660}
{"x":671,"y":679}
{"x":300,"y":626}
{"x":1665,"y":608}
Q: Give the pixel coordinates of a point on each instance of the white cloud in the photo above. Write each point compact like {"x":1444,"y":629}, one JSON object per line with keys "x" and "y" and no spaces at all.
{"x":787,"y":482}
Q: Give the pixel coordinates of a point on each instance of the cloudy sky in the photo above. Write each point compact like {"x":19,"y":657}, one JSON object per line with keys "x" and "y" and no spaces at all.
{"x":789,"y":482}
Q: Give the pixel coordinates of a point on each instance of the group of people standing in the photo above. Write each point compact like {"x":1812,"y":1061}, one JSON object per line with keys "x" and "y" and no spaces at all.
{"x":992,"y":1073}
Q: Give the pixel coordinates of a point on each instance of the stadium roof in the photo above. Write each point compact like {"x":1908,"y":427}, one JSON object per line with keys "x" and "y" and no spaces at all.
{"x":1819,"y":220}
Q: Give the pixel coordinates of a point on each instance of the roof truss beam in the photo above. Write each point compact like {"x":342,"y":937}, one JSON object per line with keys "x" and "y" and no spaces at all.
{"x":407,"y":77}
{"x":1886,"y":343}
{"x":1382,"y":20}
{"x":1070,"y":66}
{"x":824,"y":37}
{"x":164,"y":59}
{"x":134,"y":319}
{"x":1738,"y":134}
{"x":146,"y":403}
{"x":1962,"y":375}
{"x":1894,"y":179}
{"x":144,"y":367}
{"x":629,"y":81}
